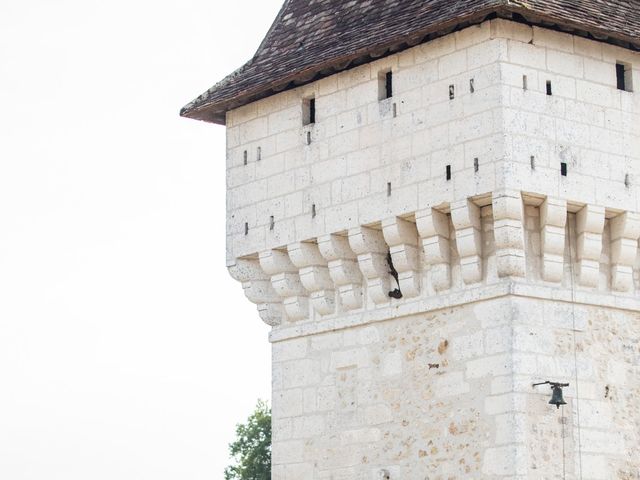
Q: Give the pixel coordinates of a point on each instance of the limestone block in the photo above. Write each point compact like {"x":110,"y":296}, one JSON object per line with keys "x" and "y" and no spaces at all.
{"x":466,"y":222}
{"x":508,"y":231}
{"x":286,"y":282}
{"x":402,"y":237}
{"x":589,"y":227}
{"x":625,"y":231}
{"x":553,"y":218}
{"x":314,"y":275}
{"x":433,"y":227}
{"x":371,"y":249}
{"x":258,"y":289}
{"x":343,"y":269}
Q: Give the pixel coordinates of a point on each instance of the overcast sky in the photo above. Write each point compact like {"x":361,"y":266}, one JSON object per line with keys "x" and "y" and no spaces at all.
{"x":126,"y":350}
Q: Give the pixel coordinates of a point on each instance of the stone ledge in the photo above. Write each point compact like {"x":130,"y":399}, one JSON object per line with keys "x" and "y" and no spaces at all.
{"x":472,"y":295}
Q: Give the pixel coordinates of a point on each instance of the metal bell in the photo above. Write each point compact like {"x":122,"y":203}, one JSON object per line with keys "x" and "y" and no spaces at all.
{"x":556,"y":398}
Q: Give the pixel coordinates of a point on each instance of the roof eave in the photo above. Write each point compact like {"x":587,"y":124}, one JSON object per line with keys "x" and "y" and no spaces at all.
{"x":212,"y":111}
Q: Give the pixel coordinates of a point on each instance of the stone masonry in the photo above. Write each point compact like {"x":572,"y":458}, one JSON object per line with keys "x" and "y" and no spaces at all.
{"x":501,"y":178}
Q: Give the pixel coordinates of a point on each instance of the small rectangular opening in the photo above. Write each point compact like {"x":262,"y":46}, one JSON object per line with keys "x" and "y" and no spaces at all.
{"x":472,"y":85}
{"x":308,"y":138}
{"x":623,"y":76}
{"x":259,"y":154}
{"x":452,"y":92}
{"x":385,"y":85}
{"x":309,"y":111}
{"x":313,"y":211}
{"x":563,"y":169}
{"x":448,"y":172}
{"x":245,"y":157}
{"x":549,"y":90}
{"x":525,"y":82}
{"x":246,"y":228}
{"x":627,"y":180}
{"x":272,"y":222}
{"x":533,"y":162}
{"x":476,"y":165}
{"x":388,"y":189}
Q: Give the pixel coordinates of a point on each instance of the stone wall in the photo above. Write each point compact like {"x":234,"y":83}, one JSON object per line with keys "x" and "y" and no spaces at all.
{"x":508,"y":271}
{"x":448,"y":394}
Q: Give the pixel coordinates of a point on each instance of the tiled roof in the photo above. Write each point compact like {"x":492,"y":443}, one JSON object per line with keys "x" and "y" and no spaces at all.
{"x":314,"y":38}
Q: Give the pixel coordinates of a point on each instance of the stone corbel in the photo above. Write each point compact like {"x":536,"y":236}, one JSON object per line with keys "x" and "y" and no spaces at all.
{"x":553,"y":220}
{"x":258,"y":289}
{"x":589,"y":227}
{"x":625,"y":231}
{"x":508,"y":231}
{"x":343,"y":269}
{"x":314,"y":275}
{"x":466,"y":222}
{"x":286,"y":282}
{"x":433,"y":227}
{"x":371,"y":249}
{"x":402,"y":237}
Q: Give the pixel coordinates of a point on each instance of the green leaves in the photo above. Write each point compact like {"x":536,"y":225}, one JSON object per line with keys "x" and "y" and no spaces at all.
{"x":252,"y":448}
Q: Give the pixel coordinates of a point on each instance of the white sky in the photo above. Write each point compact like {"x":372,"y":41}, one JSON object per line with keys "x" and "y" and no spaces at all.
{"x":126,"y":350}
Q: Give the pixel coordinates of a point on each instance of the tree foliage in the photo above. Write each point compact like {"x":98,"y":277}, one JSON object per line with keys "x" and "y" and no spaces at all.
{"x":251,"y":450}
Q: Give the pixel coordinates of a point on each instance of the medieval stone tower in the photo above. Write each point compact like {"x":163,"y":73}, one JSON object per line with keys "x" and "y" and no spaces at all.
{"x":435,"y":205}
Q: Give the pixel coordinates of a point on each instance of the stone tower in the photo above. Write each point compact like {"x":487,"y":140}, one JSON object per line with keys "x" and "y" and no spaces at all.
{"x":435,"y":205}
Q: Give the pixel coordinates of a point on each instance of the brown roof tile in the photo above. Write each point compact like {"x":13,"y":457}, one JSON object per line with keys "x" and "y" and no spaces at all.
{"x":314,"y":38}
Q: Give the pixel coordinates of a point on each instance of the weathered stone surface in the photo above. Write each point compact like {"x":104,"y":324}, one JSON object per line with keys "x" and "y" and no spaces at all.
{"x":511,"y":273}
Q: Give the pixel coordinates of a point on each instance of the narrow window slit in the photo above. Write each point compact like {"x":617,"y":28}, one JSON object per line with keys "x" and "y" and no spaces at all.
{"x":388,"y":84}
{"x":476,"y":165}
{"x":245,"y":157}
{"x":385,"y":85}
{"x":313,"y":211}
{"x":309,"y":111}
{"x":549,"y":90}
{"x":395,"y":110}
{"x":448,"y":172}
{"x":272,"y":223}
{"x":627,"y":180}
{"x":388,"y":189}
{"x":623,"y":76}
{"x":533,"y":162}
{"x":246,"y":228}
{"x":259,"y":154}
{"x":563,"y":169}
{"x":452,"y":92}
{"x":525,"y":82}
{"x":308,"y":138}
{"x":472,"y":85}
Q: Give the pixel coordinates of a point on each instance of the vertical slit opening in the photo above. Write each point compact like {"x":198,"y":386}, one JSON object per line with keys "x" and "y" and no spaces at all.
{"x":624,"y":76}
{"x":452,"y":92}
{"x":472,"y":85}
{"x":246,"y":228}
{"x":525,"y":82}
{"x":476,"y":165}
{"x":388,"y":189}
{"x":308,"y":138}
{"x":448,"y":172}
{"x":313,"y":211}
{"x":385,"y":85}
{"x":549,"y":90}
{"x":627,"y":180}
{"x":245,"y":157}
{"x":563,"y":169}
{"x":272,"y":222}
{"x":259,"y":153}
{"x":309,"y":111}
{"x":533,"y":162}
